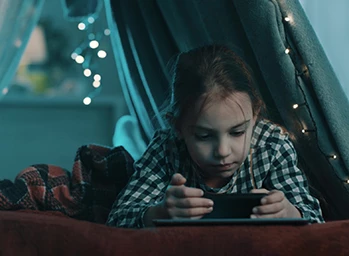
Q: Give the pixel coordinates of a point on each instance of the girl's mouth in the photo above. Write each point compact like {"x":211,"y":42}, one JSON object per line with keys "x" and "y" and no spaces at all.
{"x":223,"y":167}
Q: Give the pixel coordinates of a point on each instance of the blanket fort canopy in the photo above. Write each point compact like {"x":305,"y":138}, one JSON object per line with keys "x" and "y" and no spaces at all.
{"x":17,"y":21}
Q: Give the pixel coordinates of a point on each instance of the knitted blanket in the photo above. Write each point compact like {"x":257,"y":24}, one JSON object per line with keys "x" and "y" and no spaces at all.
{"x":87,"y":192}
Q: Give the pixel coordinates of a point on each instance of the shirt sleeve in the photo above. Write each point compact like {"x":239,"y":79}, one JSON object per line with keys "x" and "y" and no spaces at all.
{"x":287,"y":177}
{"x":145,"y":188}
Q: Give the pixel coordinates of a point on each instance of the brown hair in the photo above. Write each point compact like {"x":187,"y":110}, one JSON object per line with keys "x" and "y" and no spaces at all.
{"x":213,"y":70}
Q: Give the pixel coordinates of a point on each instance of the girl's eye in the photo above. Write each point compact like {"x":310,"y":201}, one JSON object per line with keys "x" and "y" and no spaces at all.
{"x":237,"y":134}
{"x":202,"y":136}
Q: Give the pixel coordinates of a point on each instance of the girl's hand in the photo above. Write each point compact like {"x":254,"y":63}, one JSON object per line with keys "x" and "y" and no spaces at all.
{"x":274,"y":205}
{"x":185,"y":202}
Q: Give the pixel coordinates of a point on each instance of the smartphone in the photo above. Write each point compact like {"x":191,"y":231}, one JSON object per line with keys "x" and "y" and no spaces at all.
{"x":233,"y":205}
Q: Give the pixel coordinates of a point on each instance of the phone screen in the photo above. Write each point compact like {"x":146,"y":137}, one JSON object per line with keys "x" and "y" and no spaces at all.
{"x":233,"y":205}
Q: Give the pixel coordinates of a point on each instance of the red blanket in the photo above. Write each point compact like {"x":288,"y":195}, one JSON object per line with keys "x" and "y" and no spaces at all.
{"x":86,"y":193}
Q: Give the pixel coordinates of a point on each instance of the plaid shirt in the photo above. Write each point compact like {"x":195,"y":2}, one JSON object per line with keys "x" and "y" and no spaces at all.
{"x":274,"y":162}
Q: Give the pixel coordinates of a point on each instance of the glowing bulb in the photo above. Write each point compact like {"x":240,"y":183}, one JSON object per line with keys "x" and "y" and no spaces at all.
{"x":4,"y":91}
{"x":107,"y":31}
{"x":347,"y":181}
{"x":303,"y":130}
{"x":96,"y":84}
{"x":79,"y":59}
{"x":81,"y":26}
{"x":18,"y":43}
{"x":87,"y":72}
{"x":287,"y":51}
{"x":74,"y":55}
{"x":91,"y":19}
{"x":102,"y":54}
{"x":287,"y":19}
{"x":97,"y":77}
{"x":295,"y":106}
{"x":87,"y":101}
{"x":94,"y":44}
{"x":334,"y":156}
{"x":91,"y":36}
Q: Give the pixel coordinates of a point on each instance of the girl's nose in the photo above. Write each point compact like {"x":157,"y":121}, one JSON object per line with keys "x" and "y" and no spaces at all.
{"x":222,"y":150}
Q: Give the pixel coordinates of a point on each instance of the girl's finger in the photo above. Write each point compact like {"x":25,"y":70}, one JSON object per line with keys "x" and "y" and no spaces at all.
{"x":259,"y":191}
{"x":183,"y":192}
{"x":274,"y":196}
{"x":177,"y":180}
{"x":268,"y":208}
{"x":280,"y":214}
{"x":189,"y":212}
{"x":193,"y":202}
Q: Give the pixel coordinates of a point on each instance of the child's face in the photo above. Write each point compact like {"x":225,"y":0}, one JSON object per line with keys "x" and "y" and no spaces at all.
{"x":218,"y":137}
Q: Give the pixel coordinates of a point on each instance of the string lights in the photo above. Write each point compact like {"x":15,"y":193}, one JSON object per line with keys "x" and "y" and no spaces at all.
{"x":88,"y":53}
{"x":333,"y":156}
{"x":288,"y":19}
{"x":295,"y":106}
{"x":308,"y":130}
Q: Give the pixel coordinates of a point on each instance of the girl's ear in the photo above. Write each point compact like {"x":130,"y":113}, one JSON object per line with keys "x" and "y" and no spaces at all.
{"x":179,"y":134}
{"x":254,"y":119}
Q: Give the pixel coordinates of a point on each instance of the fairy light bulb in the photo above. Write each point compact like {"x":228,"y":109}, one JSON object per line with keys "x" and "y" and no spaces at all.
{"x":107,"y":31}
{"x":91,"y":36}
{"x":102,"y":54}
{"x":74,"y":55}
{"x":81,"y":26}
{"x":97,"y":77}
{"x":287,"y":51}
{"x":18,"y":43}
{"x":87,"y":101}
{"x":287,"y":19}
{"x":96,"y":84}
{"x":94,"y":44}
{"x":295,"y":106}
{"x":306,"y":130}
{"x":87,"y":72}
{"x":79,"y":59}
{"x":91,"y":20}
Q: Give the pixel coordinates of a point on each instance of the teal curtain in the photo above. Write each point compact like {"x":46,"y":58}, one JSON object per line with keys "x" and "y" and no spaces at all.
{"x":17,"y":21}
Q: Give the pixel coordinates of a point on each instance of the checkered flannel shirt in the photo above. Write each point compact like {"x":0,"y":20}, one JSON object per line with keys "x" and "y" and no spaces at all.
{"x":274,"y":162}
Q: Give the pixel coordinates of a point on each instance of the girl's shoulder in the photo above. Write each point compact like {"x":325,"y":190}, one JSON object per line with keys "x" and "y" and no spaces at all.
{"x":160,"y":139}
{"x":267,"y":132}
{"x":163,"y":137}
{"x":164,"y":141}
{"x":164,"y":149}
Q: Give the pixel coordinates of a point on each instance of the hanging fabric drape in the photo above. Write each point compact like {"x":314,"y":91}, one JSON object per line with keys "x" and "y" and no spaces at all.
{"x":141,"y":58}
{"x":17,"y":21}
{"x":146,"y":35}
{"x":79,"y":10}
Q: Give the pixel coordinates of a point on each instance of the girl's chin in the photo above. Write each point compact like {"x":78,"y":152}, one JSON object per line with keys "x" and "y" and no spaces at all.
{"x":223,"y":170}
{"x":224,"y":174}
{"x":218,"y":181}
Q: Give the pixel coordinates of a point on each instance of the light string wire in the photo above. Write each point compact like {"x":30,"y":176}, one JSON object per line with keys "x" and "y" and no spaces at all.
{"x":290,"y":50}
{"x":85,"y":54}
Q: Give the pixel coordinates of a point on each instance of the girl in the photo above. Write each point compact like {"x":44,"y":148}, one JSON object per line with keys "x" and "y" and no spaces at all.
{"x":219,"y":143}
